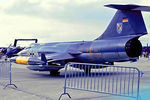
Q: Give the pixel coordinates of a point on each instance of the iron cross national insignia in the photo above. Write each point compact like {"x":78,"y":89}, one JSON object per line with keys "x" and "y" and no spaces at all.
{"x":119,"y":27}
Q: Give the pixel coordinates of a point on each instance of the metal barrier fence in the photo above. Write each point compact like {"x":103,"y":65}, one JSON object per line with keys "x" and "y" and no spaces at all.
{"x":5,"y":74}
{"x":106,"y":79}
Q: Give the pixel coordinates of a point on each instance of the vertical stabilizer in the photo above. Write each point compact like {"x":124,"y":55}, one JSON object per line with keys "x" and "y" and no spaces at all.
{"x":128,"y":20}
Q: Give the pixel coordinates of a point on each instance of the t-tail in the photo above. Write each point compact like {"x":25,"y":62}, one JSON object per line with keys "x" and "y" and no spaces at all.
{"x":120,"y":40}
{"x":127,"y":21}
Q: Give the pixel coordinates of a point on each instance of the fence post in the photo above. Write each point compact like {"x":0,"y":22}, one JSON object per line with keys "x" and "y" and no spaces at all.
{"x":65,"y":93}
{"x":10,"y":77}
{"x":138,"y":87}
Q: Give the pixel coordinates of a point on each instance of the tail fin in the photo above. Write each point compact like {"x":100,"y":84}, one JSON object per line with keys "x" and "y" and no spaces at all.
{"x":128,"y":20}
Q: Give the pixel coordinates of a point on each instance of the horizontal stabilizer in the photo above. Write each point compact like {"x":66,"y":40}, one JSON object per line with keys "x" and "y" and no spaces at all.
{"x":129,"y":7}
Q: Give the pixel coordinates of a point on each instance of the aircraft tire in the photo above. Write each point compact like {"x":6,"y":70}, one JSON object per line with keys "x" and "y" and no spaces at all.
{"x":54,"y":72}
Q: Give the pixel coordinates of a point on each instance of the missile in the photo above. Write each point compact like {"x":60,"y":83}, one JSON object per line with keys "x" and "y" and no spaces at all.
{"x":27,"y":60}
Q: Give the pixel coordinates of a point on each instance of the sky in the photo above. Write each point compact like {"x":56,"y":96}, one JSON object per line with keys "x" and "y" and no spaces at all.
{"x":59,"y":20}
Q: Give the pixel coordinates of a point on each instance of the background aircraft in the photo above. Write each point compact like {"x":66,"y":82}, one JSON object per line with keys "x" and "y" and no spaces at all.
{"x":12,"y":50}
{"x":146,"y":51}
{"x":118,"y":43}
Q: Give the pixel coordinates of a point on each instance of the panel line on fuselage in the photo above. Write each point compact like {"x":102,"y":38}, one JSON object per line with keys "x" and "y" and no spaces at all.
{"x":90,"y":50}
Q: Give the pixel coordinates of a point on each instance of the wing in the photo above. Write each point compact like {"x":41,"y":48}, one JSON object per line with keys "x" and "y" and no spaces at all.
{"x":58,"y":57}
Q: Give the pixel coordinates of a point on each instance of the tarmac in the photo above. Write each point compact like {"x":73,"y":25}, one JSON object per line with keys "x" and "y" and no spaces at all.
{"x":34,"y":85}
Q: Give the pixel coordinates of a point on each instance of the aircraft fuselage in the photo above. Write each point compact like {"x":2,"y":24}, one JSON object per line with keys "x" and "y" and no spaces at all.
{"x":98,"y":51}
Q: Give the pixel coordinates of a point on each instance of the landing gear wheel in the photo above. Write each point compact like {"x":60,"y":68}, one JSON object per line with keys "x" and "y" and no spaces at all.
{"x":111,"y":63}
{"x":54,"y":73}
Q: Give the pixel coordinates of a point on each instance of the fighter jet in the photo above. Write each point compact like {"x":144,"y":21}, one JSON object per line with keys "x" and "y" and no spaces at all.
{"x":12,"y":50}
{"x":119,"y":43}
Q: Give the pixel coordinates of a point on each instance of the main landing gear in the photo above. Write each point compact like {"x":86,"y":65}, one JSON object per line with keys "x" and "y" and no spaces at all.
{"x":54,"y":72}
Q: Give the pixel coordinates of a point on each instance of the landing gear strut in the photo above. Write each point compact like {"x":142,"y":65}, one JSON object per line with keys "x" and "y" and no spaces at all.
{"x":87,"y":71}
